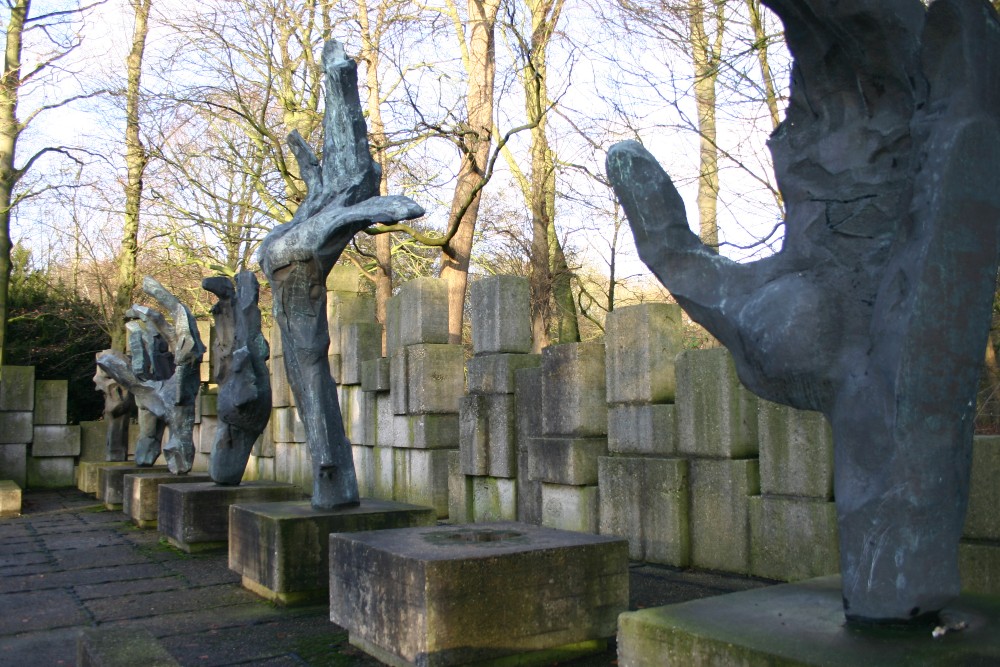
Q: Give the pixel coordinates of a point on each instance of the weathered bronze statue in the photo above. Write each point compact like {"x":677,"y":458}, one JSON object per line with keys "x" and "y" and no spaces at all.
{"x":162,"y":374}
{"x":240,"y":355}
{"x":877,"y":309}
{"x":298,"y":255}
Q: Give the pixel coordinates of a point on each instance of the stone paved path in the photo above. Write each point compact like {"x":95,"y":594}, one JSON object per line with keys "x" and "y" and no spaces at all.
{"x":67,"y":564}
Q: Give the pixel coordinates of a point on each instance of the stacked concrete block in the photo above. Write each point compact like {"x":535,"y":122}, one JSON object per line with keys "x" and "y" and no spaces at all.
{"x":501,"y":344}
{"x":93,"y":440}
{"x":206,"y":425}
{"x":426,"y":382}
{"x":17,"y":402}
{"x":793,"y":523}
{"x":563,"y":458}
{"x":54,"y":443}
{"x":644,"y":484}
{"x":717,"y":426}
{"x":979,"y":550}
{"x":528,"y":424}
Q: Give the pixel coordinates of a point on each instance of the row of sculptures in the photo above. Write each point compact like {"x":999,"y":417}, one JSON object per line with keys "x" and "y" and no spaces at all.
{"x":875,"y":312}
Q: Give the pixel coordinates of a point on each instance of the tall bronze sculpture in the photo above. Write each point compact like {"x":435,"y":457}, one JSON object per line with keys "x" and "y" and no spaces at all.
{"x":298,"y":255}
{"x":877,"y":309}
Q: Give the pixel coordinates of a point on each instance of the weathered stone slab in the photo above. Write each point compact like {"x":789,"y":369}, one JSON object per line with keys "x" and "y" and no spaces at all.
{"x":501,"y":315}
{"x":796,"y":453}
{"x":423,"y":312}
{"x":566,"y":460}
{"x":494,"y":373}
{"x":426,"y":431}
{"x":352,"y":410}
{"x":982,"y":521}
{"x":51,"y":473}
{"x":264,"y":446}
{"x":364,"y":469}
{"x":642,"y":429}
{"x":645,"y":500}
{"x":16,"y":428}
{"x":720,"y":513}
{"x":642,"y":342}
{"x":208,"y":401}
{"x":359,"y":342}
{"x":17,"y":389}
{"x":50,"y":401}
{"x":111,"y":480}
{"x":343,"y":308}
{"x":10,"y":498}
{"x":398,"y":374}
{"x":88,"y":474}
{"x":121,"y":647}
{"x":195,"y":517}
{"x":259,"y":468}
{"x":793,"y":539}
{"x":798,"y":625}
{"x":460,"y":595}
{"x":435,"y":378}
{"x":93,"y":440}
{"x":140,"y":494}
{"x":344,"y":278}
{"x":459,"y":491}
{"x":281,"y":549}
{"x":281,"y":391}
{"x":420,"y":477}
{"x":486,"y":435}
{"x":385,"y":477}
{"x":14,"y":463}
{"x":205,"y":433}
{"x":292,"y":464}
{"x":716,"y":415}
{"x":574,"y":402}
{"x":286,"y":425}
{"x":570,"y":507}
{"x":493,"y":499}
{"x":375,"y":375}
{"x":979,"y":565}
{"x":380,"y":424}
{"x":529,"y":491}
{"x":56,"y":441}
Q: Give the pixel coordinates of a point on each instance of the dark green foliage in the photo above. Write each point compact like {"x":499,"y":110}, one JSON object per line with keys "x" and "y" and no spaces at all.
{"x":55,"y":331}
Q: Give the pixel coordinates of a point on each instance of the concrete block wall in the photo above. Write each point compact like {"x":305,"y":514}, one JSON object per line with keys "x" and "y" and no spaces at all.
{"x":484,"y":482}
{"x":644,"y":485}
{"x":979,"y":550}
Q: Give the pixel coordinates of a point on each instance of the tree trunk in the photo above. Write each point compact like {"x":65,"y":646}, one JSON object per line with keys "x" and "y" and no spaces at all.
{"x":136,"y":159}
{"x":10,"y":129}
{"x":706,"y":57}
{"x":476,"y":146}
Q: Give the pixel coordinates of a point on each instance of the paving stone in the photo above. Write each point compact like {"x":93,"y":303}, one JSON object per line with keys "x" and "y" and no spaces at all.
{"x":165,"y":602}
{"x":40,"y":610}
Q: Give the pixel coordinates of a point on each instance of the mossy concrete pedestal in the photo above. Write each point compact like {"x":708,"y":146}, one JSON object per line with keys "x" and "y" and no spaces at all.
{"x":88,"y":475}
{"x":488,"y":593}
{"x":195,"y":517}
{"x":798,"y":625}
{"x":282,"y":549}
{"x":111,"y":481}
{"x":140,"y":494}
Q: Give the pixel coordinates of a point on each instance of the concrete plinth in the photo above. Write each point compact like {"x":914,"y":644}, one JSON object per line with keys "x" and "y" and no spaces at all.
{"x":140,"y":494}
{"x":798,"y":625}
{"x":10,"y":498}
{"x":195,"y":517}
{"x":282,"y":549}
{"x":449,"y":595}
{"x":111,"y":481}
{"x":88,"y":476}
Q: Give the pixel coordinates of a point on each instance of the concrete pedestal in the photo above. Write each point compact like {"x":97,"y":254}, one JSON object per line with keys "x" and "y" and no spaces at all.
{"x":111,"y":481}
{"x":800,"y":625}
{"x":10,"y":498}
{"x":450,"y":595}
{"x":282,"y":549}
{"x":195,"y":517}
{"x":88,"y":474}
{"x":140,"y":494}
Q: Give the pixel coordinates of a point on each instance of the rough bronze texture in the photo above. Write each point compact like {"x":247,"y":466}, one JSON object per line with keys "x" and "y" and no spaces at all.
{"x":118,"y":405}
{"x":240,"y":354}
{"x":876,"y":311}
{"x":298,"y":255}
{"x":163,"y":375}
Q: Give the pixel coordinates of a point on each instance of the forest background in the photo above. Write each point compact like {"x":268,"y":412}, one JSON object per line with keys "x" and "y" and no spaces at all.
{"x":147,"y":137}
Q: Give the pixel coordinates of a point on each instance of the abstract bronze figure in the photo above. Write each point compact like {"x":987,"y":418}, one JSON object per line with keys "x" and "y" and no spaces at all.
{"x":298,"y":255}
{"x":877,"y":309}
